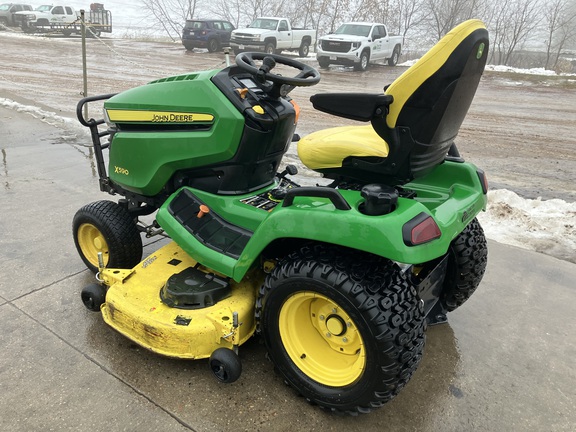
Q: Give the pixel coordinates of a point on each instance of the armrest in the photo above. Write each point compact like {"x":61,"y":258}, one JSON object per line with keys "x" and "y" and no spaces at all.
{"x":354,"y":106}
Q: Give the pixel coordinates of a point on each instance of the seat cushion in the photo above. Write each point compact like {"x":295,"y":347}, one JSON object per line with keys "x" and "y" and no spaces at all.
{"x":328,"y":148}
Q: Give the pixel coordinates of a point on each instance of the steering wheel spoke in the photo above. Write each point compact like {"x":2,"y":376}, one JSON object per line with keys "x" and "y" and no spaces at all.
{"x":307,"y":76}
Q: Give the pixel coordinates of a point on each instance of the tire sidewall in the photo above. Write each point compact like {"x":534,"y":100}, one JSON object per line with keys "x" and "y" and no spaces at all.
{"x":381,"y":338}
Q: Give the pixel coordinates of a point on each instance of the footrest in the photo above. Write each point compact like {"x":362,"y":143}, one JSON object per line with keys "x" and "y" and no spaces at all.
{"x":207,"y":227}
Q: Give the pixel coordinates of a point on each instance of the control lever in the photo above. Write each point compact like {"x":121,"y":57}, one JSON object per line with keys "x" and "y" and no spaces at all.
{"x":268,"y":64}
{"x":290,"y":169}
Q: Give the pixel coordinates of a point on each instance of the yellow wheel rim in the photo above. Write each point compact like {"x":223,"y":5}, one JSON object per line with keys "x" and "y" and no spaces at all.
{"x":92,"y":241}
{"x":321,"y":339}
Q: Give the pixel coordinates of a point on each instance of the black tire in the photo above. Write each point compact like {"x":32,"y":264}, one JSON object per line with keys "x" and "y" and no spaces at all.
{"x":213,"y":45}
{"x":107,"y":227}
{"x":93,"y":296}
{"x":362,"y":65}
{"x":467,"y":260}
{"x":66,"y":32}
{"x":304,"y":49}
{"x":323,"y":62}
{"x":270,"y":48}
{"x":225,"y":365}
{"x":4,"y":21}
{"x":393,"y":60}
{"x":361,"y":324}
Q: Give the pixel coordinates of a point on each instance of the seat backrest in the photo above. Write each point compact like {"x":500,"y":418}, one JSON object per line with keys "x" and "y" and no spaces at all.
{"x":433,"y":96}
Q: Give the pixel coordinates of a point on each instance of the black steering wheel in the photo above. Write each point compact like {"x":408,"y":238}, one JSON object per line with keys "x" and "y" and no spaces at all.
{"x":281,"y":85}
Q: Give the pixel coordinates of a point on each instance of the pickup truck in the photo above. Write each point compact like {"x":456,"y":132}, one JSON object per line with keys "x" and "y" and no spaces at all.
{"x":272,"y":35}
{"x":8,"y":11}
{"x":358,"y":44}
{"x":66,"y":20}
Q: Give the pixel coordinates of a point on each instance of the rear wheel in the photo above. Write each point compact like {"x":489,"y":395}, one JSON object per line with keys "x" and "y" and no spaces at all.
{"x":467,"y":259}
{"x":66,"y":32}
{"x":362,"y":65}
{"x":213,"y":45}
{"x":107,"y":227}
{"x":345,"y":329}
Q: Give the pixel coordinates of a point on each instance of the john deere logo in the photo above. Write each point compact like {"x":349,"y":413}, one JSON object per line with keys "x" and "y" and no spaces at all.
{"x":158,"y":116}
{"x":480,"y":50}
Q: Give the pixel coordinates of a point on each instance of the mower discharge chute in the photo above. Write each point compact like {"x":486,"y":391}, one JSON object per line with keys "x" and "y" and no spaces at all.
{"x":339,"y":280}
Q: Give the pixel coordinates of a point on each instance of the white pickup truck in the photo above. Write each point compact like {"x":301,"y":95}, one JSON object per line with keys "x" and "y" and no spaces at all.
{"x":358,"y":44}
{"x":272,"y":35}
{"x":65,"y":19}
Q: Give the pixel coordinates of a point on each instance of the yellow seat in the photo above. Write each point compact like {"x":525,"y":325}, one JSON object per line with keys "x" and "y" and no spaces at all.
{"x":413,"y":124}
{"x":329,"y":147}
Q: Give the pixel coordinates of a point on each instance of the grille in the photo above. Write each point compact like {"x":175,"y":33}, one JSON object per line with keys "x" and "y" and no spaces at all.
{"x":336,"y":46}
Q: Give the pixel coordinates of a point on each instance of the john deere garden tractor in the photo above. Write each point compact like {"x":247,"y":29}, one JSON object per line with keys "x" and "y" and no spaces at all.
{"x":340,"y":281}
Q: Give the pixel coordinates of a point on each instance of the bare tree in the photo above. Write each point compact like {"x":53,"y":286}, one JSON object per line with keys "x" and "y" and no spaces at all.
{"x":171,"y":14}
{"x":514,"y":23}
{"x":560,"y":24}
{"x":446,"y":14}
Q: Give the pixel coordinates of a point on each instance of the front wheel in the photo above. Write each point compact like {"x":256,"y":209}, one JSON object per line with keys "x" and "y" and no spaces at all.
{"x":345,"y":329}
{"x":323,"y":62}
{"x":362,"y":65}
{"x":270,"y":48}
{"x":108,"y":228}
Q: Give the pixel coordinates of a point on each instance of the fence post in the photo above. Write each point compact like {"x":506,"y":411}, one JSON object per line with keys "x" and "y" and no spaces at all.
{"x":84,"y":73}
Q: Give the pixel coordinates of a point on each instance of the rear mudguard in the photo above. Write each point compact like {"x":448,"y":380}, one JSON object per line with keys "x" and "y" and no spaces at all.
{"x":452,"y":194}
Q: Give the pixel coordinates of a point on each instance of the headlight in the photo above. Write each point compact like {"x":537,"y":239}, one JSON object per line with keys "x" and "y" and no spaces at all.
{"x":107,"y":119}
{"x":30,"y":17}
{"x":355,"y":45}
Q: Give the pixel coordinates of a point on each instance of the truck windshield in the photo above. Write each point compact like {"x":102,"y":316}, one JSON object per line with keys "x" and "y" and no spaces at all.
{"x":5,"y":7}
{"x":354,"y":29}
{"x":44,"y":8}
{"x":264,"y":23}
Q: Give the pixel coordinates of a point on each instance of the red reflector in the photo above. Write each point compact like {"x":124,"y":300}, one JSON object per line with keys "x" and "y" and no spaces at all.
{"x":425,"y":232}
{"x":421,"y":229}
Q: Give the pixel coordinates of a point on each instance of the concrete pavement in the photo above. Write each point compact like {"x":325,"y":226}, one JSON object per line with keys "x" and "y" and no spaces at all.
{"x":504,"y":362}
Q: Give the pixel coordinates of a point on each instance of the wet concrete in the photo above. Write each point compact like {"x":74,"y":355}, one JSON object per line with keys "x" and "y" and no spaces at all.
{"x":504,"y":362}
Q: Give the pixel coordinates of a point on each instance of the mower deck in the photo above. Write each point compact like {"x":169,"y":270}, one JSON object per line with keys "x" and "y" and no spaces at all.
{"x":190,"y":331}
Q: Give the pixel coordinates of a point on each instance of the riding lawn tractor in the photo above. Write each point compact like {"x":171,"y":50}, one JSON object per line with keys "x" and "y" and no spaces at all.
{"x":339,"y":281}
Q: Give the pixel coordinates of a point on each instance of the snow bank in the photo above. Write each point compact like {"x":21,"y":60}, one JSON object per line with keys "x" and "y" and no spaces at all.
{"x":546,"y":226}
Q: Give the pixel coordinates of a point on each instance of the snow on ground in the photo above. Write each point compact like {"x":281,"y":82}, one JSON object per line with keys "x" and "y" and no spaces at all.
{"x":547,"y":226}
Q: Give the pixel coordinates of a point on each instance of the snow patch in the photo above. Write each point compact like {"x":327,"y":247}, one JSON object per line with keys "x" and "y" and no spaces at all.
{"x":546,"y":226}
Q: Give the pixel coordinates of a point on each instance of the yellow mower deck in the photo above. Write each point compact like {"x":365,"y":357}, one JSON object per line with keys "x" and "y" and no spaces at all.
{"x":133,"y":307}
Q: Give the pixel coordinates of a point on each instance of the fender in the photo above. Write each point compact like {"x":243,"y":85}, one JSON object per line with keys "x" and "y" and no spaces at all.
{"x":453,"y":200}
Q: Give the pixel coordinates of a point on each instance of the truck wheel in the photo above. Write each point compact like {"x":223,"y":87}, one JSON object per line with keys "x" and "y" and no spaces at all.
{"x":468,"y":256}
{"x":323,"y":62}
{"x":270,"y":48}
{"x":304,"y":49}
{"x":66,"y":32}
{"x":107,"y":227}
{"x":362,"y":65}
{"x":213,"y":45}
{"x":4,"y":21}
{"x":393,"y":61}
{"x":345,"y":329}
